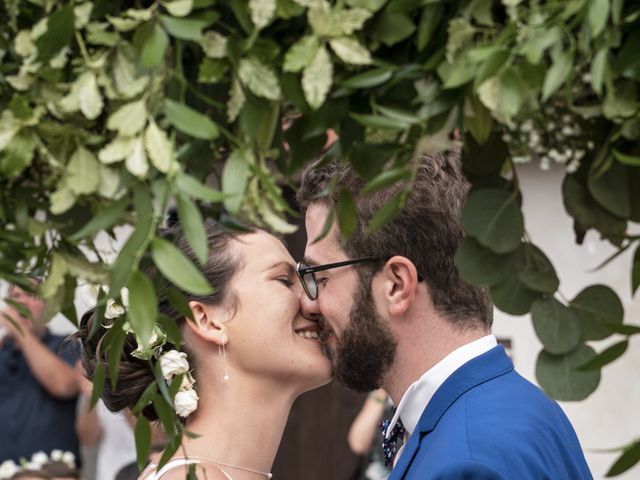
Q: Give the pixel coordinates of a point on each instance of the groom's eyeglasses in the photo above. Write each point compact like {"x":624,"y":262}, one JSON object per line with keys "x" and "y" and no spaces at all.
{"x":307,"y":276}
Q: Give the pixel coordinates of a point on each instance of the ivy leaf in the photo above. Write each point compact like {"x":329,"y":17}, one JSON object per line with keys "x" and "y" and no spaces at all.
{"x":350,"y":51}
{"x":143,"y":307}
{"x":89,"y":98}
{"x":189,"y":121}
{"x":317,"y":79}
{"x":494,"y":218}
{"x":178,"y":269}
{"x":129,"y":119}
{"x":159,"y":148}
{"x":559,"y":376}
{"x":259,"y":78}
{"x":557,"y":326}
{"x":235,"y":175}
{"x":262,"y":12}
{"x":558,"y":74}
{"x":81,"y":171}
{"x":193,"y":225}
{"x":136,"y":162}
{"x":301,"y":54}
{"x":597,"y":306}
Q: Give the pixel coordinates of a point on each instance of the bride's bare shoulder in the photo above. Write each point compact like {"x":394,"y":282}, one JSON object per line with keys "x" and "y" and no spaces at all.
{"x":203,"y":471}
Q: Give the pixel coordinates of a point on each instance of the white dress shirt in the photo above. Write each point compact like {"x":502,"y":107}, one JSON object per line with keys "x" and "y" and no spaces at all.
{"x":420,"y":392}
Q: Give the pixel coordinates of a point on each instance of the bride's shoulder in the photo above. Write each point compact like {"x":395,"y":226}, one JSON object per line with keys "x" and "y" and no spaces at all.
{"x":179,"y":470}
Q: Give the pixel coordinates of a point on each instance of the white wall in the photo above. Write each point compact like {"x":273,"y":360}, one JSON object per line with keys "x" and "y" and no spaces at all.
{"x":609,"y":417}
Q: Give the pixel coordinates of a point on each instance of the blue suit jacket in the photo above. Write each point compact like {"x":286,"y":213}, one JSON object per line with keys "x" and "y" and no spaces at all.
{"x":487,"y":422}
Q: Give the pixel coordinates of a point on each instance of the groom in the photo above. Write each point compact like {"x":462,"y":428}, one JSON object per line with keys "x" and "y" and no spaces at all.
{"x":402,"y":319}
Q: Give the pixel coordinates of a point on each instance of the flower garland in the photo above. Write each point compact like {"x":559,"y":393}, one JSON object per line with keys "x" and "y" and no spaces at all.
{"x":38,"y":460}
{"x":172,"y":362}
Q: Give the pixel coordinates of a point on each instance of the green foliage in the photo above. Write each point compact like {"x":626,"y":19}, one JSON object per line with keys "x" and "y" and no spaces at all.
{"x":109,"y":112}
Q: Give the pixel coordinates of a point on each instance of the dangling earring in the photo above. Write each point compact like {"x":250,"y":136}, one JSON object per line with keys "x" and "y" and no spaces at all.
{"x":223,"y":354}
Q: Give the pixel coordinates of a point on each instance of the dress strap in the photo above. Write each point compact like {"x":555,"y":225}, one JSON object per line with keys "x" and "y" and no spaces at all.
{"x":178,"y":462}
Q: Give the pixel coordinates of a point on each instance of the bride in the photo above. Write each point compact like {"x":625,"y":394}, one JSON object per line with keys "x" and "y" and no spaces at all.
{"x":246,"y":356}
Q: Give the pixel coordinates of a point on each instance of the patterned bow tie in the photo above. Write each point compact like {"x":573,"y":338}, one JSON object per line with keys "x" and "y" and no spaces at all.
{"x":390,"y":443}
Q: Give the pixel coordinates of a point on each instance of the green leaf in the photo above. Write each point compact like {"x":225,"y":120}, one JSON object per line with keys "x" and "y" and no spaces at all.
{"x":598,"y":69}
{"x":259,"y":78}
{"x":605,"y":357}
{"x":494,"y":218}
{"x":301,"y":54}
{"x":18,"y":154}
{"x":189,"y":185}
{"x":558,"y":375}
{"x":391,"y":28}
{"x":538,"y":272}
{"x":387,"y":178}
{"x":60,"y":30}
{"x":513,"y":297}
{"x":597,"y":16}
{"x":369,"y":79}
{"x":98,"y":384}
{"x":429,"y":21}
{"x":557,"y":326}
{"x":159,"y":147}
{"x":379,"y":121}
{"x":116,"y":345}
{"x":192,"y":224}
{"x":597,"y":305}
{"x":388,"y":211}
{"x":558,"y":74}
{"x":163,"y":404}
{"x":211,"y":71}
{"x":179,"y":8}
{"x":184,"y":28}
{"x":317,"y":79}
{"x":611,"y":189}
{"x":631,"y":160}
{"x":492,"y":65}
{"x":154,"y":45}
{"x":129,"y":119}
{"x":177,"y":268}
{"x":189,"y":121}
{"x":81,"y":172}
{"x":512,"y":93}
{"x":350,"y":51}
{"x":146,"y":398}
{"x":143,"y":306}
{"x":629,"y":458}
{"x":326,"y":227}
{"x":143,"y":441}
{"x":635,"y":271}
{"x":347,"y":214}
{"x":235,"y":176}
{"x":478,"y":120}
{"x":479,"y":265}
{"x":55,"y":277}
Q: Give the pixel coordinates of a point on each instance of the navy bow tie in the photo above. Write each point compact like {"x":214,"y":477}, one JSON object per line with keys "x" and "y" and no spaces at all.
{"x":392,"y":442}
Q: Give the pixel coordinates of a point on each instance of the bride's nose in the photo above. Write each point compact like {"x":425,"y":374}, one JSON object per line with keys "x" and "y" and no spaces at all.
{"x":309,"y":308}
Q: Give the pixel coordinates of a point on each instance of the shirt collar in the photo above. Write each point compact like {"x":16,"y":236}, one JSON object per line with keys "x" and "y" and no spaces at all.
{"x":420,"y":392}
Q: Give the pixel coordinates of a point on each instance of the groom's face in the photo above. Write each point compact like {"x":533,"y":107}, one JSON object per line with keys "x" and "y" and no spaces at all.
{"x":361,"y":345}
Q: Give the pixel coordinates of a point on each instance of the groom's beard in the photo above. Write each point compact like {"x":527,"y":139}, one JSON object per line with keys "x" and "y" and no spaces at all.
{"x":365,"y":349}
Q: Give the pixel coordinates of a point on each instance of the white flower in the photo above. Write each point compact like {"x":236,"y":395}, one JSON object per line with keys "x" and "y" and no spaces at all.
{"x":31,"y":466}
{"x":185,"y":402}
{"x":506,"y":137}
{"x":573,"y":166}
{"x":527,"y":126}
{"x":69,"y":458}
{"x":39,"y":458}
{"x":187,"y":382}
{"x":568,"y":131}
{"x":113,"y":310}
{"x":8,"y":469}
{"x":56,"y":455}
{"x":173,"y":363}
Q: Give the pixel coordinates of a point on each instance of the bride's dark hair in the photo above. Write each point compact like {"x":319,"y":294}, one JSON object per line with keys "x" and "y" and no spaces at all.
{"x":134,"y":374}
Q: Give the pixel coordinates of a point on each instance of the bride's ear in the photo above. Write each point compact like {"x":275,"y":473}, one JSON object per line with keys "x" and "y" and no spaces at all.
{"x":207,"y":322}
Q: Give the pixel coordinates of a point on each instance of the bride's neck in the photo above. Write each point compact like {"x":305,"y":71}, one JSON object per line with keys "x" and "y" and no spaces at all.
{"x":241,"y":423}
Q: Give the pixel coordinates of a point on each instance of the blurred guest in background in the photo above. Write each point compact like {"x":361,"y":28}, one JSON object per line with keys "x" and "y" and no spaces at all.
{"x":38,"y":385}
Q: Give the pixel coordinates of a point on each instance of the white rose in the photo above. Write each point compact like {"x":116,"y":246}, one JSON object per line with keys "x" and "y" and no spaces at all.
{"x":8,"y":469}
{"x":69,"y":458}
{"x":173,"y":363}
{"x":185,"y":403}
{"x":39,"y":458}
{"x":56,"y":455}
{"x":113,"y":310}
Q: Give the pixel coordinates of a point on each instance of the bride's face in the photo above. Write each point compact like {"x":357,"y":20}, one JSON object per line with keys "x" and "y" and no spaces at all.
{"x":269,"y":338}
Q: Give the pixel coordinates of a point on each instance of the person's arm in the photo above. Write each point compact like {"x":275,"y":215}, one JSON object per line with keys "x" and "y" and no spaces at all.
{"x":365,"y":426}
{"x":88,"y":426}
{"x":54,"y":374}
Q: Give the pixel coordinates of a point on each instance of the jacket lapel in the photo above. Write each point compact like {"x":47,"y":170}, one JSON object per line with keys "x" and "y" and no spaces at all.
{"x":483,"y":368}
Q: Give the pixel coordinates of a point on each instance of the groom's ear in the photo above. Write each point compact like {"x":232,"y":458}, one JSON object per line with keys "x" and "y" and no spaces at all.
{"x":208,"y":322}
{"x":400,"y":282}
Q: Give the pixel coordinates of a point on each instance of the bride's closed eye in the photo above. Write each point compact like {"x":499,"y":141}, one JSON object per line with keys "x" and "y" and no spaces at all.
{"x":285,"y":280}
